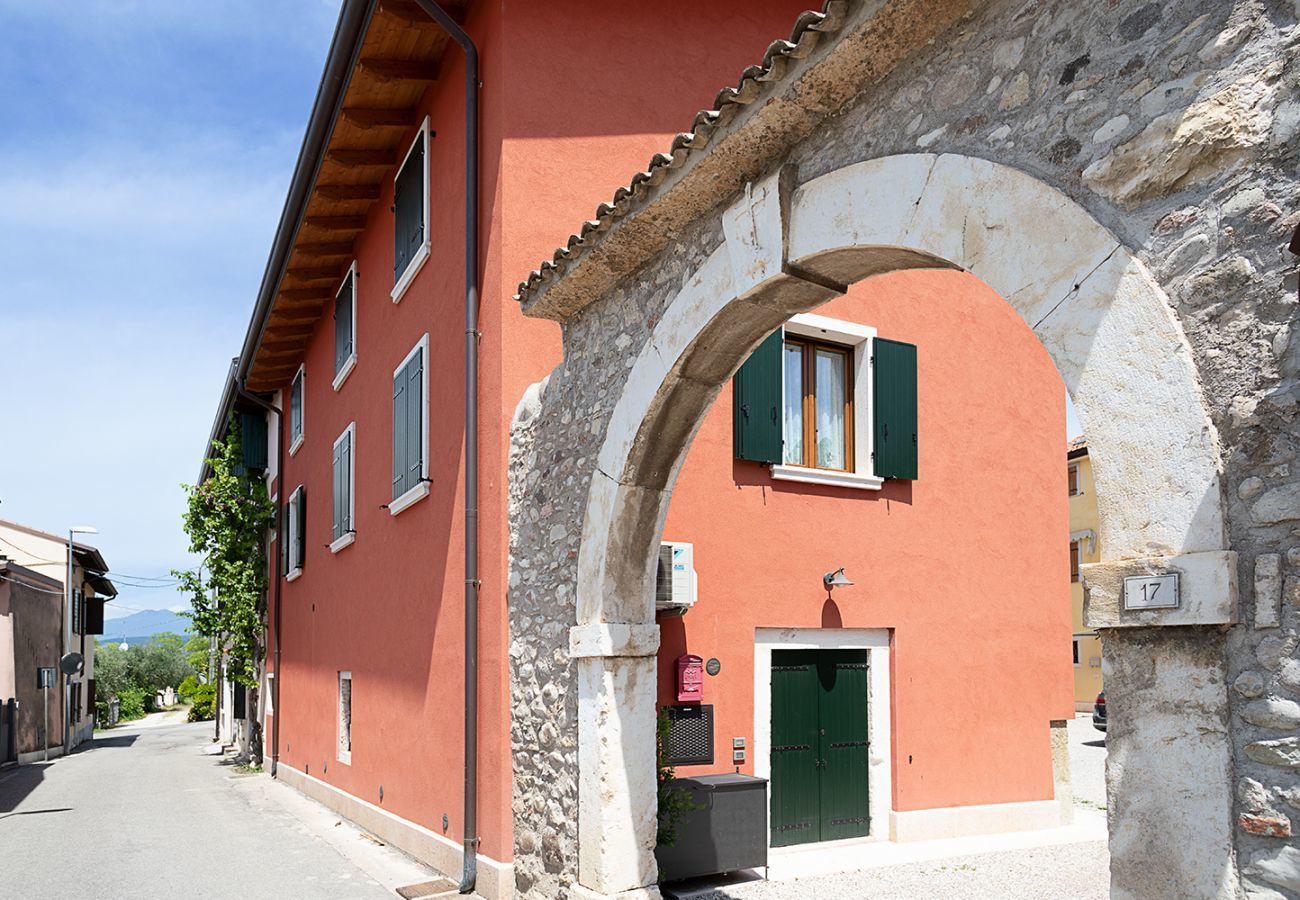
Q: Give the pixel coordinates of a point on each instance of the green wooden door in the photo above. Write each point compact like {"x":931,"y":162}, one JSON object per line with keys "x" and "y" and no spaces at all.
{"x":819,"y":745}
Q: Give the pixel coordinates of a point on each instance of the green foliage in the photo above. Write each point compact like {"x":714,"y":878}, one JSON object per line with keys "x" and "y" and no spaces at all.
{"x":111,"y":669}
{"x":132,"y":704}
{"x":204,"y":700}
{"x":139,"y":673}
{"x":189,"y":687}
{"x":227,"y":519}
{"x":674,"y":803}
{"x":197,"y":651}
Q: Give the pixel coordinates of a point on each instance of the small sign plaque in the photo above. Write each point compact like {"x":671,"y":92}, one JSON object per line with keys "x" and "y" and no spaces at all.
{"x":45,"y":677}
{"x":1151,"y":592}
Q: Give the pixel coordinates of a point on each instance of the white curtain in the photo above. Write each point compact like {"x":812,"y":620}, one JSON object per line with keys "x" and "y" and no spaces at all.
{"x":792,"y":422}
{"x":830,"y":410}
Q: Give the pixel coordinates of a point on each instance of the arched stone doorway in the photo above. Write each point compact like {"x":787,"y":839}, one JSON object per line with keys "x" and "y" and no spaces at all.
{"x":630,"y":410}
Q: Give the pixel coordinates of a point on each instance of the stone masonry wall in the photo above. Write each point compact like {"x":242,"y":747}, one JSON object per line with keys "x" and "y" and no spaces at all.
{"x":1176,"y":126}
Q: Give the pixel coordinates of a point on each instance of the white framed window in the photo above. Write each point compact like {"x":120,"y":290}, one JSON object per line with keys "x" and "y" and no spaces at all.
{"x":270,"y":693}
{"x":344,"y":470}
{"x":297,"y":409}
{"x":345,"y":327}
{"x":411,"y":244}
{"x":294,"y":549}
{"x":411,"y":428}
{"x":1072,"y":478}
{"x":854,"y":373}
{"x":345,"y":718}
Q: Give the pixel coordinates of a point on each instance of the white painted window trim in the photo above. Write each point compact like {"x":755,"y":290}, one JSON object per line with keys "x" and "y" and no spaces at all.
{"x":351,"y":362}
{"x":879,"y":708}
{"x":421,"y":490}
{"x":296,"y":441}
{"x":421,"y":255}
{"x":348,"y":537}
{"x":291,"y":532}
{"x":859,"y":339}
{"x":1077,"y":651}
{"x":344,"y":756}
{"x":273,"y":438}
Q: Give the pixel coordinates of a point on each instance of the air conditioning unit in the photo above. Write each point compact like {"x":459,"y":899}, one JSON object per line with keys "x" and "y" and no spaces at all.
{"x":675,"y":585}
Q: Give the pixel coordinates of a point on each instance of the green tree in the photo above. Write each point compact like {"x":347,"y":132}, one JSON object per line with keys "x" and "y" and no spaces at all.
{"x":159,"y":664}
{"x":197,"y":650}
{"x":112,"y":675}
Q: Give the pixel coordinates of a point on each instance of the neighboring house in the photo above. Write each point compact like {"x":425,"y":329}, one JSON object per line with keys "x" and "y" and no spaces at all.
{"x":873,"y":435}
{"x":1085,"y":645}
{"x":47,"y":555}
{"x":31,"y":638}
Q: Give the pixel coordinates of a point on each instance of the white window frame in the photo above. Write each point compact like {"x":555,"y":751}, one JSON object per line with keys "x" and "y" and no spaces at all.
{"x":860,"y":339}
{"x":1078,"y":652}
{"x":295,"y":441}
{"x":291,"y":533}
{"x":344,"y":756}
{"x":351,"y":362}
{"x":1078,"y":479}
{"x":422,"y":255}
{"x":269,"y":710}
{"x":421,"y":490}
{"x":347,"y":537}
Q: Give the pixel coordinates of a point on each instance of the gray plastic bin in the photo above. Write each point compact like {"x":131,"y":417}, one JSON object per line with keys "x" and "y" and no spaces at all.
{"x":727,"y":831}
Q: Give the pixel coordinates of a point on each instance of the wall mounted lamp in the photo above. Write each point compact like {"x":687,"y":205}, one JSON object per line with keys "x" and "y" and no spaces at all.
{"x":832,"y":580}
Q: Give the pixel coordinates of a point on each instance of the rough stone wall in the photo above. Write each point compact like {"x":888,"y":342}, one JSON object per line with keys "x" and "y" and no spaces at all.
{"x":1175,"y":125}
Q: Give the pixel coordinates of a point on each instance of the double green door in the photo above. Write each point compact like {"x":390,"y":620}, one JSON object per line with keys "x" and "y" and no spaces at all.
{"x":819,"y":746}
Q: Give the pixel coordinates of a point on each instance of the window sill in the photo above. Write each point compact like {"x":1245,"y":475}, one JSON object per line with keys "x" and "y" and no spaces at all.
{"x":827,"y":477}
{"x":294,"y":574}
{"x":412,"y":269}
{"x":345,"y":758}
{"x":348,"y":365}
{"x":344,"y":541}
{"x":418,"y":492}
{"x":297,"y":442}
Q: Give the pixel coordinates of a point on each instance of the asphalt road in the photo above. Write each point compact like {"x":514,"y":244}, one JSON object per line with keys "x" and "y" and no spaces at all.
{"x":143,"y":813}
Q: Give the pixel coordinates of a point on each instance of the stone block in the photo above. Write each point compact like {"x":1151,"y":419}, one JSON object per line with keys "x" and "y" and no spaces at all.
{"x":1207,"y":584}
{"x":1281,"y":752}
{"x":1268,"y":590}
{"x":1265,"y":826}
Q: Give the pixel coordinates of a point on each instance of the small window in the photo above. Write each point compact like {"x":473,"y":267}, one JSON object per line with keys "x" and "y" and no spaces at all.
{"x":411,"y":213}
{"x":344,"y":472}
{"x":1074,"y":561}
{"x":345,"y":717}
{"x":410,"y":429}
{"x":296,"y":410}
{"x":270,"y":693}
{"x":1075,"y":642}
{"x":294,"y":548}
{"x":1073,"y":478}
{"x":345,"y":327}
{"x":818,"y":405}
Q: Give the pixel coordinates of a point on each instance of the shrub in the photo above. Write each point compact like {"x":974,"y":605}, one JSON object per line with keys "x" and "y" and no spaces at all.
{"x":204,"y":698}
{"x":132,"y":704}
{"x":189,"y":687}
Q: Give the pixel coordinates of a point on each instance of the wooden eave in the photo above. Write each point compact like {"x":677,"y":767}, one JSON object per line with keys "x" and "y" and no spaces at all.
{"x":399,"y":59}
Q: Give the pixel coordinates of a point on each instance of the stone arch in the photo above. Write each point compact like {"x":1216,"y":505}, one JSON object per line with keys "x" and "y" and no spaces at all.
{"x":787,"y":249}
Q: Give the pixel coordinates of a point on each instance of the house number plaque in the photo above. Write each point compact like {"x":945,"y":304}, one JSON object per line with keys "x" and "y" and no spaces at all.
{"x":1151,"y":592}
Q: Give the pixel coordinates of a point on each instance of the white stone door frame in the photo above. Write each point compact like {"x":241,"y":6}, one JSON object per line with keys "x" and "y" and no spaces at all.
{"x":1108,"y":326}
{"x":876,"y":641}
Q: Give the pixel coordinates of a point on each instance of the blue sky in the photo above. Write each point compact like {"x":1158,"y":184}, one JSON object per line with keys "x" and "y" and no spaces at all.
{"x":146,"y":153}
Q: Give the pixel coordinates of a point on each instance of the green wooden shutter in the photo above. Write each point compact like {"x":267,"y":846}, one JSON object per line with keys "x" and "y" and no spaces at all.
{"x":343,"y":325}
{"x":336,"y":516}
{"x":415,"y":407}
{"x":795,"y":790}
{"x":347,"y":467}
{"x":300,"y":548}
{"x":399,"y":433}
{"x":282,"y":535}
{"x":896,"y":414}
{"x":844,"y":738}
{"x":757,"y":395}
{"x":252,"y":441}
{"x":408,"y":210}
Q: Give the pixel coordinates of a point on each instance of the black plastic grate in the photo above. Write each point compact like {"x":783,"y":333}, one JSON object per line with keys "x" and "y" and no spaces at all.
{"x":690,"y":735}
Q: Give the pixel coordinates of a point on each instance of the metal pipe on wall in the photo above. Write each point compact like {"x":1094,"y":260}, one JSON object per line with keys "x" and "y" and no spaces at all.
{"x":472,"y":584}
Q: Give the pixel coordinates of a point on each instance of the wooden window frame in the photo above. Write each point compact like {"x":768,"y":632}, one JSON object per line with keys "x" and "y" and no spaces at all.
{"x":1072,"y":473}
{"x":1076,"y":558}
{"x":808,"y":411}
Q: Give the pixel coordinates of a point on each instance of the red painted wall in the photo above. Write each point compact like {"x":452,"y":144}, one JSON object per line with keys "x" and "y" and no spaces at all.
{"x":564,"y":122}
{"x":968,"y":565}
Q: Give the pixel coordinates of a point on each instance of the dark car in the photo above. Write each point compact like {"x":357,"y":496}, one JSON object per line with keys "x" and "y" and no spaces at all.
{"x":1099,"y":712}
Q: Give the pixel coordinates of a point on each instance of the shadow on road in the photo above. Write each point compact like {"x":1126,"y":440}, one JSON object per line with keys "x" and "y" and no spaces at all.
{"x":15,"y":787}
{"x":100,"y":743}
{"x":36,"y":812}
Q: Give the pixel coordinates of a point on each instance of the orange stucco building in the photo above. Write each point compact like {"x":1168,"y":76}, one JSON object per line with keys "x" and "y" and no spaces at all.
{"x":357,"y":339}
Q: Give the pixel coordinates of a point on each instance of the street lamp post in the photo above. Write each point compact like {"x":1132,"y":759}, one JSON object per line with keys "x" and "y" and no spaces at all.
{"x":67,"y":638}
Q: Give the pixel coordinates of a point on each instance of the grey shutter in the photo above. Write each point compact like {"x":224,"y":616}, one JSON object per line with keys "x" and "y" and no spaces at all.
{"x":295,"y":408}
{"x":300,"y":545}
{"x":896,"y":412}
{"x":282,"y":535}
{"x":756,"y":428}
{"x":343,"y":324}
{"x":336,"y":517}
{"x":399,"y":433}
{"x":346,"y":466}
{"x":408,"y":210}
{"x":415,"y":406}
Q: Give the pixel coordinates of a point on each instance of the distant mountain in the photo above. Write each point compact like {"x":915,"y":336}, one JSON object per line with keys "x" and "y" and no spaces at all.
{"x":137,"y":628}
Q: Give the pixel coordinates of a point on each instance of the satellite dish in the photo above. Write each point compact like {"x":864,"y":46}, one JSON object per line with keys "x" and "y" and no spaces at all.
{"x":72,"y":663}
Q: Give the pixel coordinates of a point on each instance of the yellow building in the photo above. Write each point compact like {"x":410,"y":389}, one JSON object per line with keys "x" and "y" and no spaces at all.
{"x":1083,"y":549}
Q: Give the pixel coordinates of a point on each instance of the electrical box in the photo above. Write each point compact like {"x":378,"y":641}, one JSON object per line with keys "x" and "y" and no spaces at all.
{"x":675,"y":580}
{"x":690,"y":678}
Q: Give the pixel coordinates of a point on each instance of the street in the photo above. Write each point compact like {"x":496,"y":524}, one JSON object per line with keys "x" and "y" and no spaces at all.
{"x":142,"y":812}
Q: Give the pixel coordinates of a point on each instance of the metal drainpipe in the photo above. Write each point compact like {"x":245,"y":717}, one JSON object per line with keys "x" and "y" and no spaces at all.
{"x":279,"y":571}
{"x":472,"y":584}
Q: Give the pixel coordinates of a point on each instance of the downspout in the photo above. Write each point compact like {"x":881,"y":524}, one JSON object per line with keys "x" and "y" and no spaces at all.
{"x":275,"y":564}
{"x":438,"y":14}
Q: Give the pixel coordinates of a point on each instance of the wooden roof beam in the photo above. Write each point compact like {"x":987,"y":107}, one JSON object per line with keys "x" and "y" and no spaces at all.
{"x":314,"y":273}
{"x":304,"y":296}
{"x":361,"y":158}
{"x":406,"y":12}
{"x":389,"y":70}
{"x":347,"y":192}
{"x":374,"y":117}
{"x":335,"y":223}
{"x":324,"y":248}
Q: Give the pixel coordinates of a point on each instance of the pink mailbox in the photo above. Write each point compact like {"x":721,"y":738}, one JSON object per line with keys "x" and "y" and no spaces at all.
{"x":690,"y":678}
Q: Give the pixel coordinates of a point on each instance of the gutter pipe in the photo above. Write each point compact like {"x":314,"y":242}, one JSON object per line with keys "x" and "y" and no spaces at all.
{"x":281,"y":534}
{"x":472,"y":584}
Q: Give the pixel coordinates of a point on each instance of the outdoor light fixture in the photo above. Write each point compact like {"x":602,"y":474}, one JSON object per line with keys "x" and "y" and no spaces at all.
{"x":832,"y":580}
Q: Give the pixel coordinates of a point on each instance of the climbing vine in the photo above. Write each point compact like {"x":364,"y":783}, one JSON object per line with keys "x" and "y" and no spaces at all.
{"x":226,"y":520}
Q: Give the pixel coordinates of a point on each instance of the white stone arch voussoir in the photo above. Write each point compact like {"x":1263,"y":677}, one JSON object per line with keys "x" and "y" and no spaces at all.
{"x":1095,"y":306}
